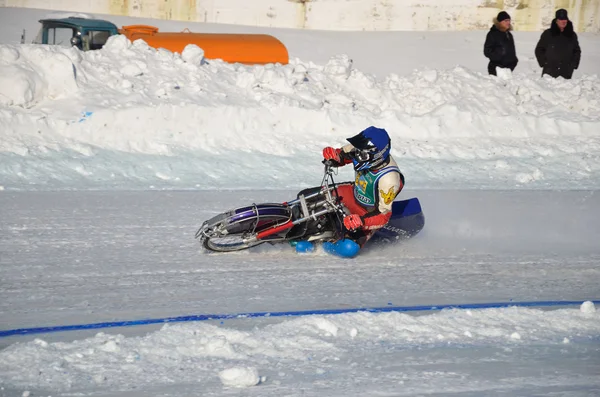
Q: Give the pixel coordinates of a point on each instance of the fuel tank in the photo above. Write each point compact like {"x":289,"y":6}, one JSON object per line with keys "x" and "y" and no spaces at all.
{"x":250,"y":49}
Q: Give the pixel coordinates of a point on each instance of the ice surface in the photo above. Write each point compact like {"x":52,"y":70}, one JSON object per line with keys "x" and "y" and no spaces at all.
{"x":96,"y":148}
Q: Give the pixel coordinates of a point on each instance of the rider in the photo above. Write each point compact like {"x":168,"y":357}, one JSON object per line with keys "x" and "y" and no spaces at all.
{"x":369,"y":198}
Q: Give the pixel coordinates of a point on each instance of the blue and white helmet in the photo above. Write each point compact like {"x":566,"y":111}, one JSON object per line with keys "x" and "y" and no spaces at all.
{"x":372,"y":148}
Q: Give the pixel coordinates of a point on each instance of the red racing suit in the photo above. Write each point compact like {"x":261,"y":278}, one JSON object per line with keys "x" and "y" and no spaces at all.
{"x":370,"y":195}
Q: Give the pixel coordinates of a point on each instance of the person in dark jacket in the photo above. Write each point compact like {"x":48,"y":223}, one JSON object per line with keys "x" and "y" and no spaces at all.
{"x":499,"y":45}
{"x":558,"y":51}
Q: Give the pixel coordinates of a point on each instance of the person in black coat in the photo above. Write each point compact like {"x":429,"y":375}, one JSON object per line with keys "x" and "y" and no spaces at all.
{"x":499,"y":45}
{"x":558,"y":51}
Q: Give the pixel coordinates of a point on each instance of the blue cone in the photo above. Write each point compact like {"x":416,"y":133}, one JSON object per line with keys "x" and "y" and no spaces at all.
{"x":303,"y":247}
{"x":345,"y":248}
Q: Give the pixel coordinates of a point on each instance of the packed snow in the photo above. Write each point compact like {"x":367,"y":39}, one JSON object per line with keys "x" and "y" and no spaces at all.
{"x":96,"y":148}
{"x":174,"y":121}
{"x":318,"y":344}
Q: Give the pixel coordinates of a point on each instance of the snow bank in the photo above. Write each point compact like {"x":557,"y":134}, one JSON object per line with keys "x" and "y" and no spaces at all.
{"x":198,"y":352}
{"x":29,"y":74}
{"x":174,"y":120}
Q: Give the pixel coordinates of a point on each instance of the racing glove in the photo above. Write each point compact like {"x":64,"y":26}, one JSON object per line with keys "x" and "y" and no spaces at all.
{"x":353,"y":221}
{"x":333,"y":154}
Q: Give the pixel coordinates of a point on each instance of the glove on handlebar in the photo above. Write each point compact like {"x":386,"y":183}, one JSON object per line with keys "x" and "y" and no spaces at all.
{"x":330,"y":153}
{"x":353,"y":221}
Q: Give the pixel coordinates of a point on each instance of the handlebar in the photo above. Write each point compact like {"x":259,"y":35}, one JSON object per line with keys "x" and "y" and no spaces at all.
{"x":330,"y":165}
{"x":328,"y":172}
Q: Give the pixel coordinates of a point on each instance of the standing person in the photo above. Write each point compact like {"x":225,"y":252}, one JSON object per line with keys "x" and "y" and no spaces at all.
{"x":558,"y":52}
{"x":499,"y":45}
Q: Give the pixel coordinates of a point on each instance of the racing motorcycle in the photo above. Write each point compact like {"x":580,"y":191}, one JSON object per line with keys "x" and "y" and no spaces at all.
{"x":315,"y":215}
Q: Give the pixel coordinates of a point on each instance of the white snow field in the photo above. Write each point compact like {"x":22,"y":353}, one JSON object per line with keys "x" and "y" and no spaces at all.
{"x":110,"y":160}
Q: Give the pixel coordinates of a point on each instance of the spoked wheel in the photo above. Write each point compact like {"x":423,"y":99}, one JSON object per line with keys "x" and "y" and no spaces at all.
{"x":228,"y":243}
{"x":233,"y":230}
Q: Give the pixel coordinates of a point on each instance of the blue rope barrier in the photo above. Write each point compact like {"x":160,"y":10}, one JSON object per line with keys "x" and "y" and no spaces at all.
{"x":206,"y":317}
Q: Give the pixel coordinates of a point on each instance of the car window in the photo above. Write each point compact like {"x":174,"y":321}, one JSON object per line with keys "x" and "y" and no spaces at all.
{"x":60,"y":36}
{"x":97,"y":38}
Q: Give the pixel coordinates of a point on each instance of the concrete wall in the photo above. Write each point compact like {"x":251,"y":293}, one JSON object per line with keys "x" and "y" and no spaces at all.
{"x":528,"y":15}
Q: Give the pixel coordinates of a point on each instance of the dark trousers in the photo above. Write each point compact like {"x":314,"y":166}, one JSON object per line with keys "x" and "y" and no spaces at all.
{"x":555,"y":72}
{"x":492,"y":68}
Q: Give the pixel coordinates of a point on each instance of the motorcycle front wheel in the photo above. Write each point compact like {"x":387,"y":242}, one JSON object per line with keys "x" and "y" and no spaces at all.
{"x":230,"y":243}
{"x":233,"y":230}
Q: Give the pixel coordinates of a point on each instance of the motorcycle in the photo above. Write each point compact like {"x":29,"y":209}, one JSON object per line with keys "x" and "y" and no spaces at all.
{"x":316,"y":215}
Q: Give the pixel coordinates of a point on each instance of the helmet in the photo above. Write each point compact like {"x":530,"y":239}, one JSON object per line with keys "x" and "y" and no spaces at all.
{"x":372,"y":148}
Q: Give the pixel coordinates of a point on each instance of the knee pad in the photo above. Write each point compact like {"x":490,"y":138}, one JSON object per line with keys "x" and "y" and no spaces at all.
{"x":344,"y":248}
{"x":304,"y":246}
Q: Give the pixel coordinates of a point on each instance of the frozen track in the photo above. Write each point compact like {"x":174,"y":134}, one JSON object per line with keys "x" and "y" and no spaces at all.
{"x":79,"y":257}
{"x":70,"y":258}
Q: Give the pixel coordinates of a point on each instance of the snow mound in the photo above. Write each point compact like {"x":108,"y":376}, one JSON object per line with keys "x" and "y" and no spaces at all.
{"x":30,"y":74}
{"x":588,"y":307}
{"x":240,"y":377}
{"x":193,"y":54}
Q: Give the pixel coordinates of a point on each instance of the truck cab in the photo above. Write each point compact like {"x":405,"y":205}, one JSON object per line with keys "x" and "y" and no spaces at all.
{"x":85,"y":34}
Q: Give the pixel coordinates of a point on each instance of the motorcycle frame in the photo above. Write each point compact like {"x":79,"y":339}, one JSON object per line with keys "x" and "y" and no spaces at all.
{"x":329,"y":204}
